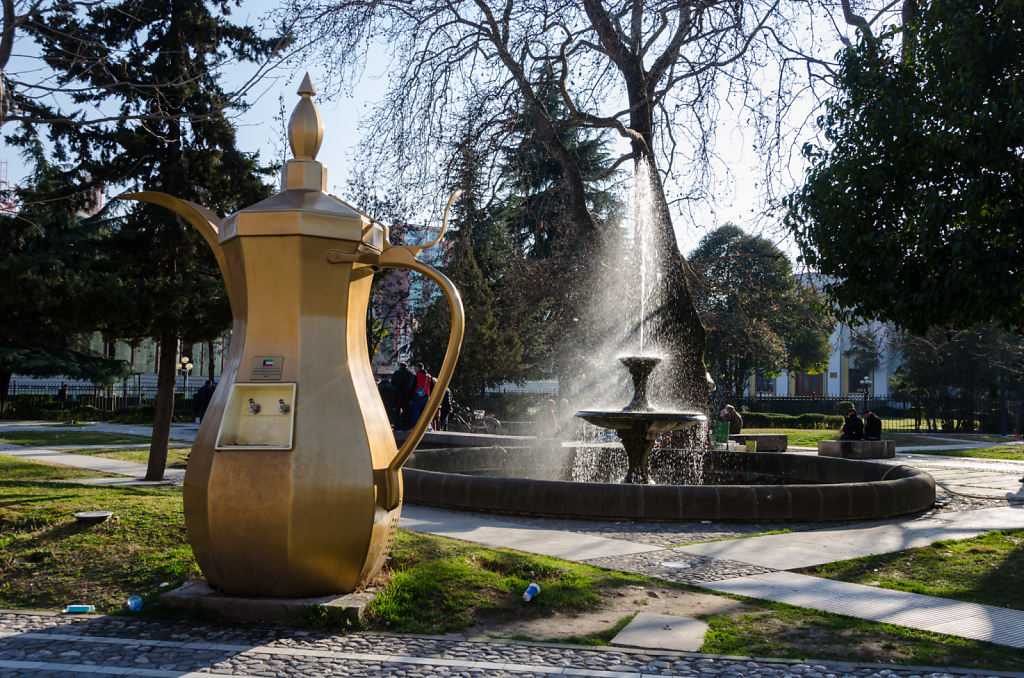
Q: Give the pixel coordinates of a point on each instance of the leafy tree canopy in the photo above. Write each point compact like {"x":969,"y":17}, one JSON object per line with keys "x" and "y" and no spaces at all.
{"x":915,"y":206}
{"x":757,"y":316}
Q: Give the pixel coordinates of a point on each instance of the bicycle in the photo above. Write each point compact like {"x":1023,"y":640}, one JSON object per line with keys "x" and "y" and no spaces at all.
{"x":472,"y":421}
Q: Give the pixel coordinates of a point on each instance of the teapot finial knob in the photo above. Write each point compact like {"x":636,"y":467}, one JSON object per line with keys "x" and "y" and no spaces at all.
{"x":306,"y":127}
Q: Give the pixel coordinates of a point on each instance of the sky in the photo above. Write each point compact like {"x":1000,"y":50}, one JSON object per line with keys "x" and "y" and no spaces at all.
{"x":736,"y":195}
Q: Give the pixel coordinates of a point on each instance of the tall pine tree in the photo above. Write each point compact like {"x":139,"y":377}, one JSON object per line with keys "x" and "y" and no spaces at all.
{"x":492,"y":350}
{"x":550,"y":277}
{"x":49,"y":271}
{"x":162,"y":58}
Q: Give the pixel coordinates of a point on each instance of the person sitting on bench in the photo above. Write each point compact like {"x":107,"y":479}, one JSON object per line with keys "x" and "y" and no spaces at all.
{"x":853,"y":428}
{"x":872,"y":426}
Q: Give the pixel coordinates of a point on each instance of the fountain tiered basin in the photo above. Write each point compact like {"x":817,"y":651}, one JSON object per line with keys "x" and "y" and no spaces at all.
{"x":639,"y":423}
{"x":529,"y":476}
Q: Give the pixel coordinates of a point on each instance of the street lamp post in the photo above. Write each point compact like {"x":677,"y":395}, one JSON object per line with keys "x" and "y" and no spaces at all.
{"x":865,"y":385}
{"x":185,"y":368}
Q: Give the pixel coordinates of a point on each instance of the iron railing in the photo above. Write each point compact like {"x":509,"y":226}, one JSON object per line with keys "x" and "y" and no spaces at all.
{"x":927,"y":415}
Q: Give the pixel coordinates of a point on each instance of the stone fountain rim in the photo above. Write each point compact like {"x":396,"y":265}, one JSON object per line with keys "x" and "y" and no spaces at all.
{"x":898,"y":490}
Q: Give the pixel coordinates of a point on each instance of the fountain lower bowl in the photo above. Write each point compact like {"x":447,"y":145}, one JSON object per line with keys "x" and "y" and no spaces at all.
{"x":768,"y":487}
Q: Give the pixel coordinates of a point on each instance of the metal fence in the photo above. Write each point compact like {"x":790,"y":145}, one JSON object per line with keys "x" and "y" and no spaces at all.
{"x":926,"y":415}
{"x":47,"y":395}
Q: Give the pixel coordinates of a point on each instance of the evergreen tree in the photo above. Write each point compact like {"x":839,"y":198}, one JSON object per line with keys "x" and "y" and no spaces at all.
{"x":161,"y":56}
{"x":916,"y":196}
{"x":49,"y":271}
{"x":549,"y":274}
{"x":492,"y":350}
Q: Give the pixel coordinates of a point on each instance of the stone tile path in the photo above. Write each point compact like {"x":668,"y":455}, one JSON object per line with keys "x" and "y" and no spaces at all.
{"x":938,"y":615}
{"x":815,"y":547}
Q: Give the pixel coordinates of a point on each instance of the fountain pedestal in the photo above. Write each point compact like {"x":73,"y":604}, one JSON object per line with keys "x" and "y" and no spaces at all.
{"x":639,"y":424}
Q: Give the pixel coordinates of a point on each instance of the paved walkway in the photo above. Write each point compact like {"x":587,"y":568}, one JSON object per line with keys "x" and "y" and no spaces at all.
{"x":179,"y":432}
{"x":41,"y":645}
{"x":754,"y":566}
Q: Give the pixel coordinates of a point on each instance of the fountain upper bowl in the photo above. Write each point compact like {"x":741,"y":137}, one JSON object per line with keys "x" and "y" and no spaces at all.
{"x":658,"y":421}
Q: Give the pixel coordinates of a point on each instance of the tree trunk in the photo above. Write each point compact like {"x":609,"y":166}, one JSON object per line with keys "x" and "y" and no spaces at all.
{"x":680,"y":329}
{"x":164,"y":407}
{"x":210,"y":362}
{"x":5,"y":384}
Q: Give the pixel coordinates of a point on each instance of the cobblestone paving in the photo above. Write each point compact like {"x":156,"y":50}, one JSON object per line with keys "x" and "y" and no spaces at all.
{"x":678,"y":567}
{"x":41,"y":645}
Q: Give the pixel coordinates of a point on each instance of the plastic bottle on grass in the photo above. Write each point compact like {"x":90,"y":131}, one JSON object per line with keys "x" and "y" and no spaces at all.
{"x":72,"y":609}
{"x":531,"y":592}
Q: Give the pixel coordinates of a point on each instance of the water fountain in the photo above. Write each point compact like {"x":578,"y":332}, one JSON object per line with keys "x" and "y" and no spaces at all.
{"x":639,"y":424}
{"x":533,"y":476}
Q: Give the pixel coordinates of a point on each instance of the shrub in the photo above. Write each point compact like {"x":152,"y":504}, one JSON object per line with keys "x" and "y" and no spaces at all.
{"x":842,"y":407}
{"x":85,"y":413}
{"x":804,"y":421}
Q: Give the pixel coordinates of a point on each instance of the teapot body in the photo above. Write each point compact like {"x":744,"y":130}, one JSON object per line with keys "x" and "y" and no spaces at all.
{"x":283,"y":489}
{"x":294,"y":487}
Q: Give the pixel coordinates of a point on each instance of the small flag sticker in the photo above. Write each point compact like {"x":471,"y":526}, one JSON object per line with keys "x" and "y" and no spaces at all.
{"x":268,"y":362}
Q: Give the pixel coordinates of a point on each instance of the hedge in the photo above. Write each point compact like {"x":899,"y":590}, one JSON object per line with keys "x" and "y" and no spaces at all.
{"x":805,"y":421}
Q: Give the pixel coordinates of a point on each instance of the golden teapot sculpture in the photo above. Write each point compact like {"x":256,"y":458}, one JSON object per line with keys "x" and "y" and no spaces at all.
{"x":294,"y":483}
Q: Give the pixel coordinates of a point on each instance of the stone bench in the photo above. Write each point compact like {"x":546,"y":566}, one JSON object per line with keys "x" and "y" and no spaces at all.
{"x":766,"y":442}
{"x":857,"y":449}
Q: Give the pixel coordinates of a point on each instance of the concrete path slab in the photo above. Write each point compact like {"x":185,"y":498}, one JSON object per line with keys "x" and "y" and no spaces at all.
{"x":179,"y":431}
{"x":131,"y":469}
{"x":662,"y":632}
{"x":937,"y":615}
{"x":171,"y":476}
{"x":815,"y":547}
{"x":492,"y":531}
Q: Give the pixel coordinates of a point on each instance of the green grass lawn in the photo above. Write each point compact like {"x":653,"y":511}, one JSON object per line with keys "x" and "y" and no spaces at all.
{"x":1004,"y":452}
{"x":798,"y":437}
{"x":435,"y":585}
{"x":51,"y":438}
{"x":48,"y":560}
{"x":987,"y":569}
{"x":809,"y":438}
{"x":176,"y":456}
{"x":12,"y":468}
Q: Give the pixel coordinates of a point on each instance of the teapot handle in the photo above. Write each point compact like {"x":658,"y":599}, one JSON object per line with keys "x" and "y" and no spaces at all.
{"x":402,"y":257}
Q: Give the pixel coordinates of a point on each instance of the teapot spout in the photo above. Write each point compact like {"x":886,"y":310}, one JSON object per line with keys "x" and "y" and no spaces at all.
{"x":204,"y":221}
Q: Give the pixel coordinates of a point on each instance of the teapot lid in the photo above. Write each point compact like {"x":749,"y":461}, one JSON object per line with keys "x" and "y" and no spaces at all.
{"x":303,"y":207}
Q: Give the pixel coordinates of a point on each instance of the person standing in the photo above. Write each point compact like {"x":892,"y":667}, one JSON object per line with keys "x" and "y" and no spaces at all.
{"x":445,"y":411}
{"x":201,"y":400}
{"x":421,"y":385}
{"x":853,"y":427}
{"x":387,"y":396}
{"x":402,"y":379}
{"x":62,"y":395}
